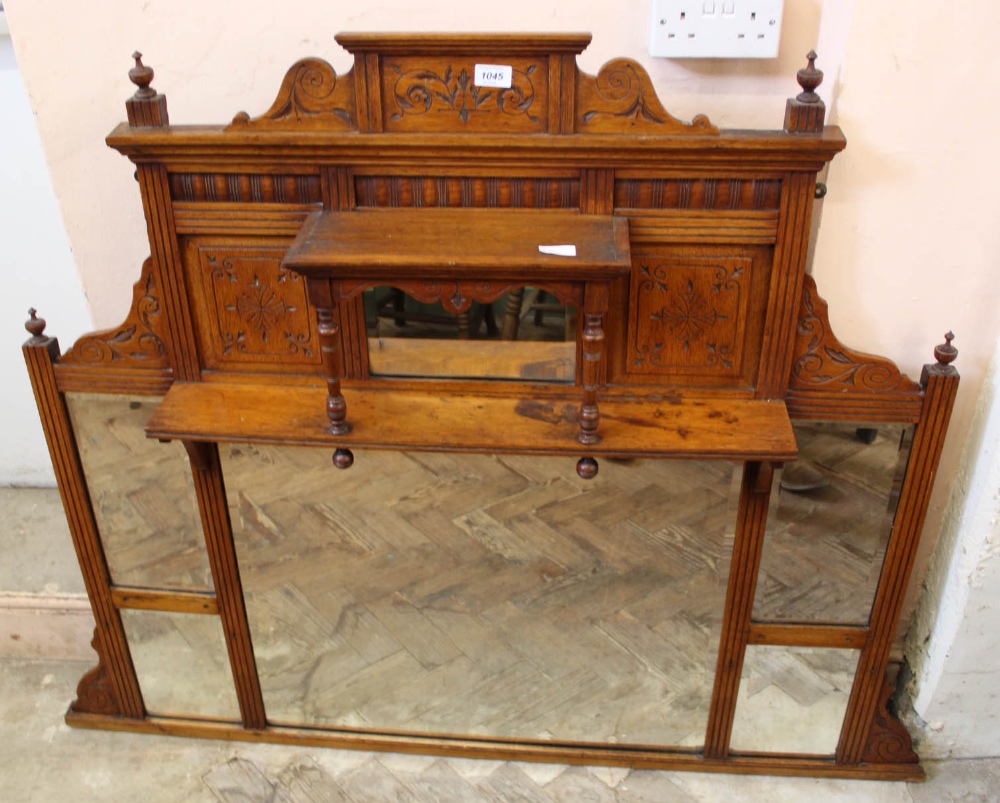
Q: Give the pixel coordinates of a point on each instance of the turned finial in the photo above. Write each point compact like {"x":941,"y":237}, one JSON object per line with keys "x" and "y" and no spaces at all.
{"x":142,"y":77}
{"x":946,"y":353}
{"x":586,"y":468}
{"x":809,"y":78}
{"x":343,"y":458}
{"x":35,"y":325}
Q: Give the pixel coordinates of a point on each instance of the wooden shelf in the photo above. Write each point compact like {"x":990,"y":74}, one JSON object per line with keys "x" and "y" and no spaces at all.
{"x":714,"y":428}
{"x":449,"y":243}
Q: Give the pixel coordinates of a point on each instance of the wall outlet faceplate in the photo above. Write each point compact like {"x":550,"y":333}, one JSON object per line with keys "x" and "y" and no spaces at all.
{"x":729,"y":29}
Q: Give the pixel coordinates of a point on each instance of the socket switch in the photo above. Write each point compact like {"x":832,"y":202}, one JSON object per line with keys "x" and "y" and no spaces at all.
{"x":728,"y":29}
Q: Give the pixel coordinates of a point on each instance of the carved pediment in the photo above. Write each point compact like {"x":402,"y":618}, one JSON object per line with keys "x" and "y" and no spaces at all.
{"x":312,"y":95}
{"x":621,"y":99}
{"x":428,"y":84}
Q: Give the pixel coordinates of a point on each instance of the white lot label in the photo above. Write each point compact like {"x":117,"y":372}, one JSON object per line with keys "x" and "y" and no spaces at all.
{"x":495,"y":75}
{"x":558,"y":250}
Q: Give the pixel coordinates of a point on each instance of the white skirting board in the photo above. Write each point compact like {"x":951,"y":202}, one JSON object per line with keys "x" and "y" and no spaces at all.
{"x":46,"y":626}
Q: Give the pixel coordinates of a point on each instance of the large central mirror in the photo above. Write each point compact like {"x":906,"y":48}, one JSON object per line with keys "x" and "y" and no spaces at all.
{"x":489,"y":595}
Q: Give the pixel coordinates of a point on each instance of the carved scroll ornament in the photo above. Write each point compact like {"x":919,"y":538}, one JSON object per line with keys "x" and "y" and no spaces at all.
{"x":456,"y":296}
{"x":823,"y":362}
{"x":889,"y":742}
{"x":311,"y":96}
{"x":621,"y":100}
{"x":94,"y":693}
{"x":138,"y":342}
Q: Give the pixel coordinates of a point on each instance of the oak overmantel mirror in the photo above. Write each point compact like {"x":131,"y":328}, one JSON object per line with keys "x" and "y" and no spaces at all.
{"x":605,"y":487}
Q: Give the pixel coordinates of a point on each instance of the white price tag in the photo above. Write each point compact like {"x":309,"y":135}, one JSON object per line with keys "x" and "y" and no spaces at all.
{"x":495,"y":75}
{"x":558,"y":250}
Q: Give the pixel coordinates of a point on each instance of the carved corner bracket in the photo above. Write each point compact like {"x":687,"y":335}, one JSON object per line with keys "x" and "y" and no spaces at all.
{"x":94,"y":693}
{"x":138,"y":343}
{"x":822,"y":362}
{"x":888,"y":742}
{"x":311,"y":96}
{"x":621,"y":99}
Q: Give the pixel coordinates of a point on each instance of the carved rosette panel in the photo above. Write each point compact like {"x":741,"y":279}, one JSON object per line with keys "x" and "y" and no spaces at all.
{"x":457,"y":295}
{"x":621,"y":99}
{"x":138,"y":342}
{"x":311,"y":97}
{"x":256,"y":311}
{"x":688,"y":315}
{"x":822,"y":362}
{"x":435,"y":95}
{"x":467,"y":191}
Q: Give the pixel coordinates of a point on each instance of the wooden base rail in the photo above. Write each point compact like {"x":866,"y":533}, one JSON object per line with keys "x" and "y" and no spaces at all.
{"x":508,"y":750}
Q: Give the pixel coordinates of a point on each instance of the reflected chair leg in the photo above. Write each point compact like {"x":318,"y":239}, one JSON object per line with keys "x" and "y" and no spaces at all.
{"x":512,"y":316}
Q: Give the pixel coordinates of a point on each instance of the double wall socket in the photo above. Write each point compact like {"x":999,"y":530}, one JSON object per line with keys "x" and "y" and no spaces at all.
{"x":728,"y":29}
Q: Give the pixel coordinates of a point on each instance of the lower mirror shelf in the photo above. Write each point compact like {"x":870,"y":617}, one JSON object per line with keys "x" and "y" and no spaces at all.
{"x":689,"y":427}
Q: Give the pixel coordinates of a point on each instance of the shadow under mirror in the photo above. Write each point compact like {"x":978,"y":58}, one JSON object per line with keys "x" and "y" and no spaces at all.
{"x":526,"y":334}
{"x":829,"y":522}
{"x":182,"y":664}
{"x":142,"y":493}
{"x":485,"y":595}
{"x":793,"y":699}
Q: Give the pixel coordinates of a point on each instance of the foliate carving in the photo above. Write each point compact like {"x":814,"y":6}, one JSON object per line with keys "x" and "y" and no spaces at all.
{"x":259,"y":311}
{"x":621,"y":99}
{"x":688,"y":315}
{"x":422,"y":90}
{"x":822,"y":361}
{"x":138,"y":342}
{"x":888,"y":742}
{"x":94,"y":693}
{"x":311,"y":96}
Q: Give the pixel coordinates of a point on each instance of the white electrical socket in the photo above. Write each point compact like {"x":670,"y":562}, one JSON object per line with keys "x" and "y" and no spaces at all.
{"x":728,"y":29}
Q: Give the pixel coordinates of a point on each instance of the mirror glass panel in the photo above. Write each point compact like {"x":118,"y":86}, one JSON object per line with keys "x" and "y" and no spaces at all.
{"x":829,"y":521}
{"x":182,"y":664}
{"x":527,"y":334}
{"x":142,"y":493}
{"x":493,"y":595}
{"x":793,"y":699}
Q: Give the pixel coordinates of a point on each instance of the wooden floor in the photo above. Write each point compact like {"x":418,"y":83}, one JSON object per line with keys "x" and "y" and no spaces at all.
{"x":495,"y":595}
{"x":485,"y":595}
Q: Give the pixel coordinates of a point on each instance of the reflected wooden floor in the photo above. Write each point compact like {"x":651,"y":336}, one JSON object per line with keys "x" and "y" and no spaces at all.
{"x":824,"y":546}
{"x":498,"y":595}
{"x":485,"y":595}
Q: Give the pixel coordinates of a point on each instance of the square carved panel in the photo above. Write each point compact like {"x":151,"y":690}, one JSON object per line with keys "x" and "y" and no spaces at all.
{"x":688,"y":315}
{"x":249,"y":311}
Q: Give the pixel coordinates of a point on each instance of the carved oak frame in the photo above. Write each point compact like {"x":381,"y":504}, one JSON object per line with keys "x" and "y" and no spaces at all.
{"x":609,"y":147}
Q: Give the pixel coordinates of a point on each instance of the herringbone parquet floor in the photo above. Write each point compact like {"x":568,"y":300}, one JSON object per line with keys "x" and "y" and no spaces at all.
{"x":496,"y":595}
{"x":482,"y":594}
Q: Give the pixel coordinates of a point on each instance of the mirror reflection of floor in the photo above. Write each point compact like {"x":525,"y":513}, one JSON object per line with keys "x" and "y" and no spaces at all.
{"x":500,"y":595}
{"x":486,"y":595}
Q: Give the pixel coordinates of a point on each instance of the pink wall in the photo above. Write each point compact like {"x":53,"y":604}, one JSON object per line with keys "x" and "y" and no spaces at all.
{"x":908,"y":244}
